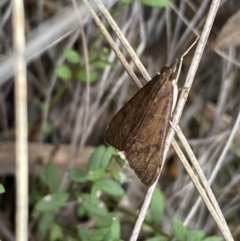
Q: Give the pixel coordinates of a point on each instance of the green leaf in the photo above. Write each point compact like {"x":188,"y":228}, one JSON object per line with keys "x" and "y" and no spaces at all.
{"x":81,"y":211}
{"x":50,"y":177}
{"x":157,"y":238}
{"x":95,"y":174}
{"x":93,"y":206}
{"x":115,"y":228}
{"x":2,"y":189}
{"x":56,"y":232}
{"x":101,"y":64}
{"x":195,"y":235}
{"x":107,"y":155}
{"x":157,"y":206}
{"x":84,"y":234}
{"x":109,"y":186}
{"x":179,"y":230}
{"x":78,"y":175}
{"x":212,"y":238}
{"x":71,"y":55}
{"x":107,"y":237}
{"x":106,"y":221}
{"x":45,"y":222}
{"x":96,"y":158}
{"x":63,"y":72}
{"x":52,"y":202}
{"x":82,"y":76}
{"x":82,"y":176}
{"x":104,"y":51}
{"x":155,"y":3}
{"x":116,"y":175}
{"x":99,"y":234}
{"x":34,"y":196}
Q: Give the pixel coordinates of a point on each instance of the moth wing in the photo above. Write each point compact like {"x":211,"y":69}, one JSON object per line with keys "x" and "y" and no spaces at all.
{"x":127,"y":118}
{"x":146,"y":141}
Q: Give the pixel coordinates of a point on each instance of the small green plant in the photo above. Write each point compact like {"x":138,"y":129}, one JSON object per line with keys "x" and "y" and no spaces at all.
{"x":182,"y":234}
{"x":74,"y":68}
{"x":96,"y":193}
{"x":2,"y":189}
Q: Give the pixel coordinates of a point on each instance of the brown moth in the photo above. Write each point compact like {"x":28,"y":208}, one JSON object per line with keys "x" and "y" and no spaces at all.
{"x":140,"y":127}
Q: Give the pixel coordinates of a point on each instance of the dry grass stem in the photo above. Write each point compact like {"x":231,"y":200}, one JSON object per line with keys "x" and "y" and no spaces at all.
{"x":203,"y":187}
{"x":123,"y":40}
{"x":21,"y":123}
{"x":114,"y":47}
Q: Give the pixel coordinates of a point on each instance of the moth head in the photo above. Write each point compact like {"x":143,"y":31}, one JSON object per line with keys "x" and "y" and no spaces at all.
{"x":170,"y":73}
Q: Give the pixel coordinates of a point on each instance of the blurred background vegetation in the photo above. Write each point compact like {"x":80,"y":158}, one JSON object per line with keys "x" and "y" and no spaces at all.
{"x":79,"y":188}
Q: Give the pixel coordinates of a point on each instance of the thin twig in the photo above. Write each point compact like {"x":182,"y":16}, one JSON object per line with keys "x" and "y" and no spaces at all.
{"x":21,"y":123}
{"x":51,"y":86}
{"x":218,"y":165}
{"x":113,"y":45}
{"x":196,"y":18}
{"x":199,"y":187}
{"x":227,"y":79}
{"x":213,"y":207}
{"x":86,"y":60}
{"x":123,"y":40}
